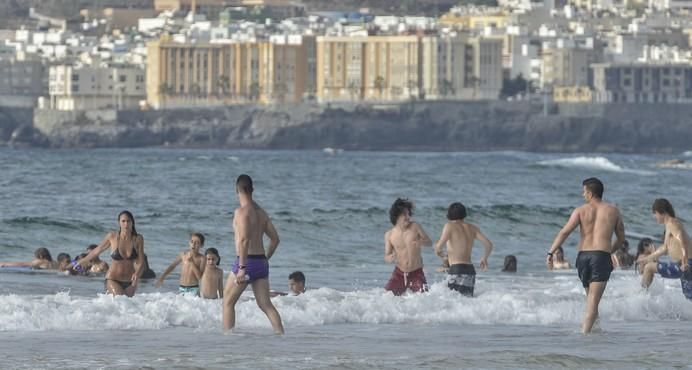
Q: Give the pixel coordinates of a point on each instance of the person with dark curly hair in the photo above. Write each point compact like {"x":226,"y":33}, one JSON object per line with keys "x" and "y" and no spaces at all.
{"x":402,"y":246}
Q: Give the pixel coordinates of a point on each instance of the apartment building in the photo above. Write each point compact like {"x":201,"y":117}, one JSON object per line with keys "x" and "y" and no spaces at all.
{"x":367,"y":67}
{"x":642,"y":83}
{"x":396,"y":68}
{"x":79,"y":87}
{"x":568,"y":66}
{"x":190,"y":74}
{"x":22,"y":81}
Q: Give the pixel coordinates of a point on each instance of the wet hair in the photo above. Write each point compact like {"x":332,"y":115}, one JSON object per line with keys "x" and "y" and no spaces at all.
{"x":625,"y":259}
{"x":643,"y":244}
{"x":62,"y":257}
{"x":198,"y":235}
{"x":214,"y":252}
{"x":43,"y":254}
{"x":595,"y":186}
{"x":297,"y":276}
{"x":510,"y":264}
{"x":244,"y":184}
{"x":91,"y":247}
{"x":399,"y":206}
{"x":562,"y":251}
{"x":663,"y":206}
{"x":456,"y":211}
{"x":131,"y":217}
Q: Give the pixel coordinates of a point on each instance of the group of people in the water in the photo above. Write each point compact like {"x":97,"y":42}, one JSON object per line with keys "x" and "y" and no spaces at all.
{"x":597,"y":220}
{"x":200,"y":275}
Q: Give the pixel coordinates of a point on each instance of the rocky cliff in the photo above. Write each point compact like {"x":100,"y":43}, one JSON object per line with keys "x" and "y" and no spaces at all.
{"x":443,"y":126}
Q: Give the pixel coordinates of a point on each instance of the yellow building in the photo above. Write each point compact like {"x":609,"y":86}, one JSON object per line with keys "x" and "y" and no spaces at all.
{"x":217,"y":74}
{"x":396,"y":68}
{"x":572,"y":94}
{"x":367,"y":67}
{"x":475,"y":21}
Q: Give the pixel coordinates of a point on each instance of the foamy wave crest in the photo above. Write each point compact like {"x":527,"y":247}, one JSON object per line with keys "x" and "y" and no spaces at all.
{"x":520,"y":300}
{"x":592,"y":163}
{"x":687,"y":153}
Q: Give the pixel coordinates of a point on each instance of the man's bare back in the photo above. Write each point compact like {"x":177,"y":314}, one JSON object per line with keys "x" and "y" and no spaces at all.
{"x":459,"y":237}
{"x":254,"y":219}
{"x":597,"y":224}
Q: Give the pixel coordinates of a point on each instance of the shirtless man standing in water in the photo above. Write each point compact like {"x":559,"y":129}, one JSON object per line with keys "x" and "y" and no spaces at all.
{"x":402,"y":245}
{"x":251,"y":266}
{"x":597,"y":221}
{"x":459,"y":236}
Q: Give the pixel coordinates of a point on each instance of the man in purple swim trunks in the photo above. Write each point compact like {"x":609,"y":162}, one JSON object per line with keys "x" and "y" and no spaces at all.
{"x":251,"y":266}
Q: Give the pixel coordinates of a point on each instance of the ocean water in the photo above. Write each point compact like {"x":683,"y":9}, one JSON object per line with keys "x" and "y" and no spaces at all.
{"x":330,"y":209}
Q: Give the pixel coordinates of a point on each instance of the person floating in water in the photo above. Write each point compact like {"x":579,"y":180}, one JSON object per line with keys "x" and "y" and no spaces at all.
{"x":458,"y":236}
{"x":510,"y":264}
{"x":645,"y":247}
{"x":597,"y":222}
{"x":251,"y":266}
{"x":558,"y":260}
{"x":42,"y":261}
{"x":622,"y":258}
{"x":212,"y":279}
{"x":402,"y":246}
{"x":296,"y":285}
{"x":127,"y":247}
{"x":676,"y":243}
{"x":193,"y":266}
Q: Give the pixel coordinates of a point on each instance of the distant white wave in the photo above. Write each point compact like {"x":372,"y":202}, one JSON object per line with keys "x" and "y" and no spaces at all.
{"x":592,"y":163}
{"x":538,"y":300}
{"x":687,"y":153}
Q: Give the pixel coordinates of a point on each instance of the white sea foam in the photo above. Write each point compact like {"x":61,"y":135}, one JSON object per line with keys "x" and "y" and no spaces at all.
{"x":522,"y":300}
{"x":687,"y":153}
{"x":592,"y":163}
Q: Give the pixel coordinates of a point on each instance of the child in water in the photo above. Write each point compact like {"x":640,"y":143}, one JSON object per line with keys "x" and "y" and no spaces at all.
{"x":42,"y":261}
{"x":212,"y":278}
{"x":193,"y":266}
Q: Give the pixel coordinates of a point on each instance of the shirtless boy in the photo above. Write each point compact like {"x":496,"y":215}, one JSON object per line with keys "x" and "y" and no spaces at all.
{"x":676,"y":243}
{"x":212,"y":278}
{"x":597,"y":221}
{"x":193,"y":266}
{"x":459,"y":236}
{"x":402,"y":245}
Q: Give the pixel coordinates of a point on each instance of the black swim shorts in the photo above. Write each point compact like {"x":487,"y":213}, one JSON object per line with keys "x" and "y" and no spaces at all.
{"x":594,"y":266}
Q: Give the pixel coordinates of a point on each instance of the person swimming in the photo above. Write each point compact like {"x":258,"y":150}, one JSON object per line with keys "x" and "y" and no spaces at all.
{"x":42,"y":261}
{"x":510,"y":264}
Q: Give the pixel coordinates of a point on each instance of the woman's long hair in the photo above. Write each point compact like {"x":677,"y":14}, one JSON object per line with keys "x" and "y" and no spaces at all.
{"x":131,"y":217}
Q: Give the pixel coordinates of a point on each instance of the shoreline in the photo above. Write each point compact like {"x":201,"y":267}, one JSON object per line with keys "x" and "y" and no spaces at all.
{"x":416,"y":126}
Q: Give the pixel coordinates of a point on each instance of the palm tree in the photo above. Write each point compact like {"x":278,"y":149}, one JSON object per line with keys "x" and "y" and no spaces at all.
{"x":380,"y":84}
{"x":354,"y":89}
{"x":224,"y":84}
{"x":447,"y":88}
{"x":255,"y":91}
{"x":411,"y":85}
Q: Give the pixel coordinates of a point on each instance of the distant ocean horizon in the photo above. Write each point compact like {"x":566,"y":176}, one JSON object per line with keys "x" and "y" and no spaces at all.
{"x":330,"y":209}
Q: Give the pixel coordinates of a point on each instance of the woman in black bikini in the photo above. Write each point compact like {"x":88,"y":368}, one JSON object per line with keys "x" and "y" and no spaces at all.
{"x":127,"y":254}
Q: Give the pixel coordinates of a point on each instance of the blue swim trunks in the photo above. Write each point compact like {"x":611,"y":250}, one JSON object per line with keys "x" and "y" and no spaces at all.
{"x":191,"y":290}
{"x":670,"y":270}
{"x":257,"y":267}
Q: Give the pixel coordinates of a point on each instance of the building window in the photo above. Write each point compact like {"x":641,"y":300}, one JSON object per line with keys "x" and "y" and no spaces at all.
{"x":75,"y":77}
{"x":123,"y":78}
